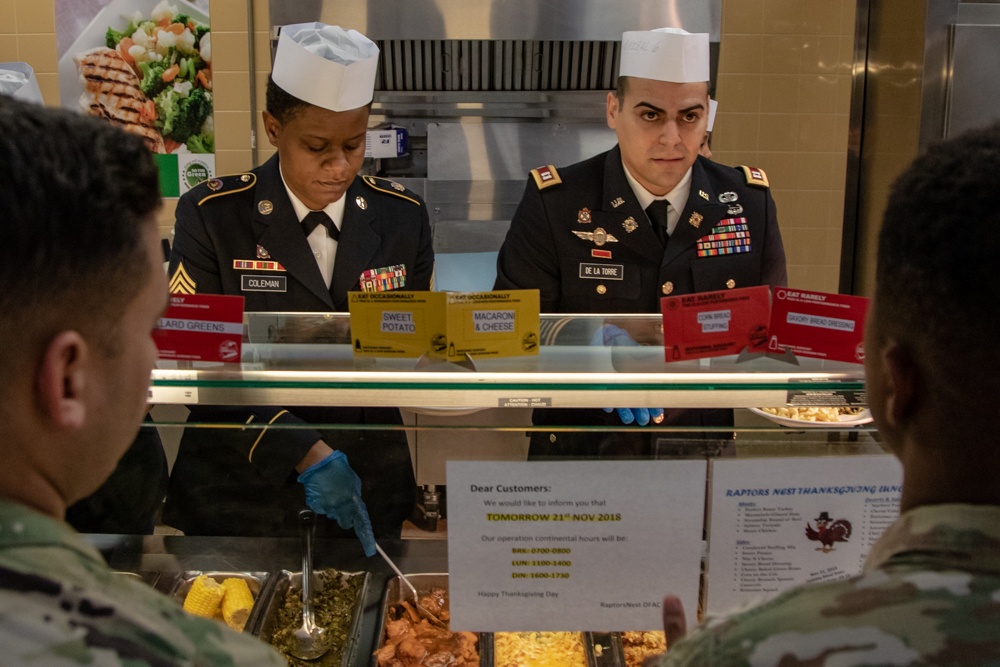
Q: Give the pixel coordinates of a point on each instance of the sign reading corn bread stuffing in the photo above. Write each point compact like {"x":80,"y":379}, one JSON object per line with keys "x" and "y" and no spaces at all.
{"x":713,"y":324}
{"x":444,"y":325}
{"x":556,"y":546}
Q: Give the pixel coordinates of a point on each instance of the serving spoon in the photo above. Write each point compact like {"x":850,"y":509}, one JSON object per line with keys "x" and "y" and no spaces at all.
{"x":423,"y":611}
{"x":311,"y":640}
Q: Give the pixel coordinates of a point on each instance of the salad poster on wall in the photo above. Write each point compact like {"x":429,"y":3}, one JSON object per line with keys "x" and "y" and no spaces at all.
{"x":146,"y":66}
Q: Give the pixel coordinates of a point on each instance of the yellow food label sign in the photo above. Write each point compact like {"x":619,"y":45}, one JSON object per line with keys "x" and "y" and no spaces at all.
{"x":397,"y":324}
{"x":445,"y":325}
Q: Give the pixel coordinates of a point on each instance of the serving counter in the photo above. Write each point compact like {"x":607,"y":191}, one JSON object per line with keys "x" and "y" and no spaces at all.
{"x":480,"y":410}
{"x":307,"y":360}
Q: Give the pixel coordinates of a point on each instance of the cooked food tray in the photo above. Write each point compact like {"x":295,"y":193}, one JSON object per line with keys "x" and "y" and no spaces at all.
{"x":414,"y":642}
{"x":337,"y":606}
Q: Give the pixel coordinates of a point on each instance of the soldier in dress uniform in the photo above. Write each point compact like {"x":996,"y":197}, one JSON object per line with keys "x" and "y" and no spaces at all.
{"x":81,"y":291}
{"x":297,"y":234}
{"x":649,"y":218}
{"x":930,"y":587}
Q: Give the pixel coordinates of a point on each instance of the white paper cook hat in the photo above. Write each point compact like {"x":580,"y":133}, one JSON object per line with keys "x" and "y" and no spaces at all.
{"x":18,"y":80}
{"x":713,"y":107}
{"x":326,"y":65}
{"x":665,"y":54}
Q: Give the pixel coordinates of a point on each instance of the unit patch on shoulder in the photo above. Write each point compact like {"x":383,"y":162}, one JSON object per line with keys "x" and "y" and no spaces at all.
{"x":546,"y":176}
{"x":181,"y":282}
{"x":227,"y":185}
{"x":755,"y":176}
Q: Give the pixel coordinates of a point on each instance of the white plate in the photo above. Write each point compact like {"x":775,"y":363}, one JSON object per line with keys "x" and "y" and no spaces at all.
{"x":115,"y":15}
{"x":863,"y":417}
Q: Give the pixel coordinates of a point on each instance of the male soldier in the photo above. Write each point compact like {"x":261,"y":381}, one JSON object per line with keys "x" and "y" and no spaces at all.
{"x":297,"y":234}
{"x":617,"y":232}
{"x":930,"y":589}
{"x":81,"y":289}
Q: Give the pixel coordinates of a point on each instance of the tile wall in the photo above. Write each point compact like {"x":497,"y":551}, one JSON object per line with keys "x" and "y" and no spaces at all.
{"x":784,"y":91}
{"x":783,"y":88}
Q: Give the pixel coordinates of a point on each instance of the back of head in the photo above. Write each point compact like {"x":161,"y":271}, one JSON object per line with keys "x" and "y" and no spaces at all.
{"x":937,"y":289}
{"x":78,"y":195}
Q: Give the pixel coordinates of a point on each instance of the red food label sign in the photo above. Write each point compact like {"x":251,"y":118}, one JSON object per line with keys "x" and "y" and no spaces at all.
{"x":201,"y":327}
{"x":819,"y":325}
{"x":714,"y":324}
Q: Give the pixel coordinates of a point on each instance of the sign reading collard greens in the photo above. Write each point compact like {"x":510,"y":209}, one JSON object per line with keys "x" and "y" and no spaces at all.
{"x":146,"y":66}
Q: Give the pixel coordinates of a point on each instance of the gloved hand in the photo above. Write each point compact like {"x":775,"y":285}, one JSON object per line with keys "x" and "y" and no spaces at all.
{"x":612,"y":335}
{"x":333,"y":489}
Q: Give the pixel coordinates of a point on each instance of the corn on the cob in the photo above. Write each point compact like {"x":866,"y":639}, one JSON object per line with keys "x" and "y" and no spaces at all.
{"x":204,"y":597}
{"x":237,"y":603}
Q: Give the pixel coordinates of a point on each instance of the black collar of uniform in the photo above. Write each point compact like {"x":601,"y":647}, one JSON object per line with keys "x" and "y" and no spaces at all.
{"x":280,"y":233}
{"x":359,"y":242}
{"x":642,"y":240}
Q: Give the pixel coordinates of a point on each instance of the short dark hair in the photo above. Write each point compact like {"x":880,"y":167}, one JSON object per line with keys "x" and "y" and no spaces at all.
{"x":77,"y":195}
{"x":936,"y":277}
{"x":280,"y":104}
{"x":621,"y":87}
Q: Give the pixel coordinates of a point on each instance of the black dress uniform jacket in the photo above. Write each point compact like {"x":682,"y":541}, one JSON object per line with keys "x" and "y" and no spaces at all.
{"x":542,"y":251}
{"x":243,"y":482}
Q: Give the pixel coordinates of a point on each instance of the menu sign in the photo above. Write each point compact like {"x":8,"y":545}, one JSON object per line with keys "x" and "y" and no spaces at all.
{"x":817,"y":324}
{"x":779,"y":523}
{"x":568,"y":546}
{"x":201,"y":327}
{"x":714,"y":324}
{"x":449,"y":325}
{"x":397,"y":324}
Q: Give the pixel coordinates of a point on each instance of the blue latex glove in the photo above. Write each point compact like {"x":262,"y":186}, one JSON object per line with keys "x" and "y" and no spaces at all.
{"x":612,"y":335}
{"x":333,"y":489}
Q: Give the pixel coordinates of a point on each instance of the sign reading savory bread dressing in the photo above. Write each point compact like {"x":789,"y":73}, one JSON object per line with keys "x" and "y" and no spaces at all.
{"x":201,"y":327}
{"x":547,"y":546}
{"x":448,"y":325}
{"x":817,"y":324}
{"x":714,"y":324}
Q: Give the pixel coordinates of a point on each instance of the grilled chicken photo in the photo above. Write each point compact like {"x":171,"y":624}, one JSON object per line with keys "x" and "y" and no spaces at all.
{"x":111,"y":91}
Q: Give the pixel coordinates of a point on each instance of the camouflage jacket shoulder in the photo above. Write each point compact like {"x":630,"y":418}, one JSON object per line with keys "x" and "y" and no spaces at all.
{"x":920,"y":600}
{"x":60,"y":604}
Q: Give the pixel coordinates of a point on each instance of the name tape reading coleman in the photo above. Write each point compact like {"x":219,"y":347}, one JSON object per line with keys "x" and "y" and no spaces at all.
{"x":397,"y":322}
{"x":493,"y":321}
{"x":264,"y":283}
{"x":602,"y":271}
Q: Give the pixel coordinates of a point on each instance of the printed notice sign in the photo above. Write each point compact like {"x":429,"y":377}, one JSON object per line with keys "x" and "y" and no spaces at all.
{"x":572,"y":546}
{"x":397,"y":324}
{"x":817,"y":324}
{"x":492,"y":324}
{"x":201,"y":327}
{"x":778,"y":523}
{"x":714,"y":324}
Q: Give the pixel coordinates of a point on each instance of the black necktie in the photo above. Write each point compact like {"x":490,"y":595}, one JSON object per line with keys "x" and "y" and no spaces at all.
{"x":657,"y":214}
{"x":317,"y":218}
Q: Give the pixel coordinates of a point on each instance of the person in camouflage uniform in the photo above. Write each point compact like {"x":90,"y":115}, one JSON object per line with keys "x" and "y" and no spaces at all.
{"x":929,"y":592}
{"x":81,"y":289}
